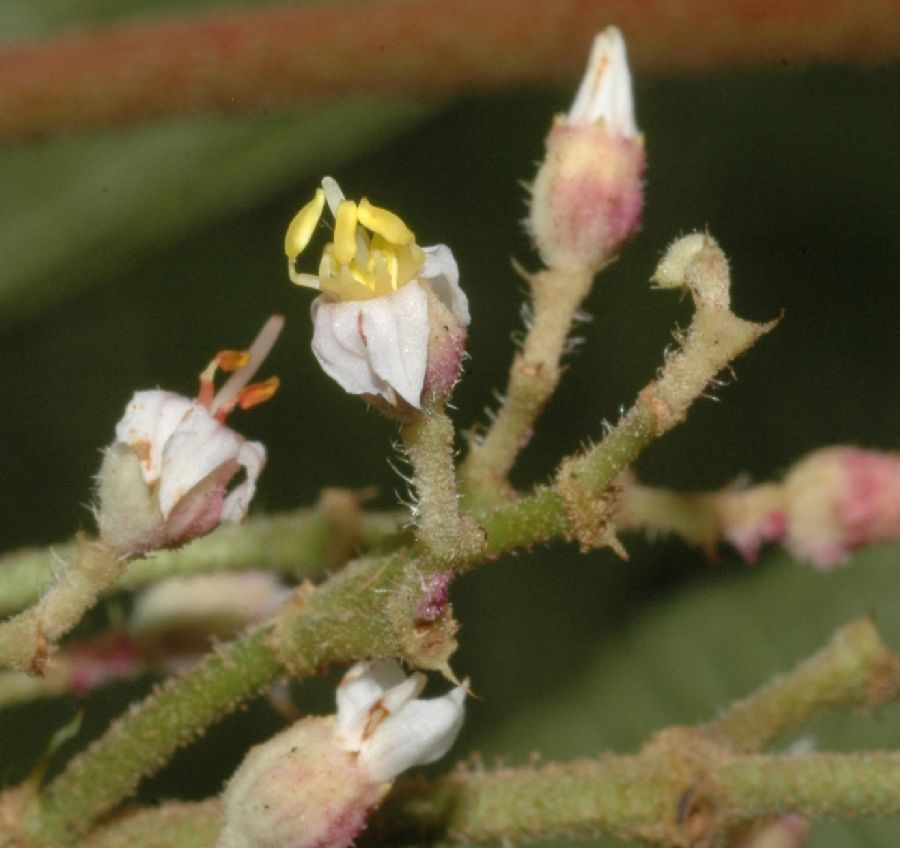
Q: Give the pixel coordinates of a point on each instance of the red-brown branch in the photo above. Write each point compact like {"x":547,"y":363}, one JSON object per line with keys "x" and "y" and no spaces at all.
{"x":255,"y":60}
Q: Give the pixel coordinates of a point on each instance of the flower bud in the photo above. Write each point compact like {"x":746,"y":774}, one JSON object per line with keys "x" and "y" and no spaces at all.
{"x":164,"y":481}
{"x":314,"y":784}
{"x":840,"y":499}
{"x":832,"y":502}
{"x":587,"y":197}
{"x":391,"y":321}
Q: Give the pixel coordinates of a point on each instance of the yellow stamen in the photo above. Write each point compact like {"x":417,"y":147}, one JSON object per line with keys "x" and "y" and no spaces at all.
{"x":384,"y":222}
{"x":303,"y":225}
{"x":345,"y":232}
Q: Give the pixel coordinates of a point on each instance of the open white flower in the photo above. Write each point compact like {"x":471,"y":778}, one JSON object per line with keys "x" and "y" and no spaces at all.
{"x":381,"y":718}
{"x":165,"y":479}
{"x":391,"y":319}
{"x":314,"y":784}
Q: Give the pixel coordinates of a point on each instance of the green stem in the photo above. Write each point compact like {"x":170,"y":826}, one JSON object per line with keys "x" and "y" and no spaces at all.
{"x":428,"y":441}
{"x":174,"y":823}
{"x":556,"y":296}
{"x":28,"y":639}
{"x":854,"y":670}
{"x":691,"y":515}
{"x":298,"y":543}
{"x":143,"y":740}
{"x":629,"y":797}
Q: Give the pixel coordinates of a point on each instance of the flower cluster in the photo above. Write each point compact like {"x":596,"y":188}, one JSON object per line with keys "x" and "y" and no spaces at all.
{"x":314,"y":784}
{"x":390,"y":323}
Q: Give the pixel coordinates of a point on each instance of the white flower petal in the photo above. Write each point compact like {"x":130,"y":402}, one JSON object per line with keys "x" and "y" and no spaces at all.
{"x":361,"y":687}
{"x":396,"y":332}
{"x":418,"y":733}
{"x":198,"y":446}
{"x":251,"y":457}
{"x":442,"y":273}
{"x":150,"y":419}
{"x":341,"y":349}
{"x":605,"y":93}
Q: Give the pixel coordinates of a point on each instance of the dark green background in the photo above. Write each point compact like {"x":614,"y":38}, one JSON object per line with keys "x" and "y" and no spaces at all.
{"x":128,"y":259}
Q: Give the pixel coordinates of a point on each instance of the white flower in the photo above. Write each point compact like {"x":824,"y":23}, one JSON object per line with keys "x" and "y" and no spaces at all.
{"x":373,"y":324}
{"x":188,"y":456}
{"x":164,"y":480}
{"x":380,"y":718}
{"x":314,"y":784}
{"x":605,"y":93}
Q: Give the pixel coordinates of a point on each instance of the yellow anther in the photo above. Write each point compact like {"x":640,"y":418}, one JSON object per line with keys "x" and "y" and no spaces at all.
{"x":384,"y":223}
{"x":345,"y":232}
{"x":303,"y":225}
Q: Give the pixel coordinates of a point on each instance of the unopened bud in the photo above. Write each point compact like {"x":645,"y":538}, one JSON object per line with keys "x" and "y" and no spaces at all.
{"x":840,"y":499}
{"x":831,"y":503}
{"x":588,"y":196}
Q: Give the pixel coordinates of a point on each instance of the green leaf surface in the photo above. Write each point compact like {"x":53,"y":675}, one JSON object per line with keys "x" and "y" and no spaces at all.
{"x":81,"y":210}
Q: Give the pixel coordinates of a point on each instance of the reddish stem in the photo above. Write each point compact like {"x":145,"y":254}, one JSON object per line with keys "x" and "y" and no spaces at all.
{"x":254,"y":60}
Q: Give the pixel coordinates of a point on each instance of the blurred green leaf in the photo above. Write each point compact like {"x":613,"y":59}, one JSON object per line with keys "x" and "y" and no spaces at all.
{"x":685,"y":660}
{"x":80,"y":210}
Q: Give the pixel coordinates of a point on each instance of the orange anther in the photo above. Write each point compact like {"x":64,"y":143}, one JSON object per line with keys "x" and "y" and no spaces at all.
{"x":257,"y":393}
{"x":231,"y":360}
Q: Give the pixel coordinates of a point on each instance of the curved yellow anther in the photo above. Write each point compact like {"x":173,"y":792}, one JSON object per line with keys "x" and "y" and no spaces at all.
{"x":345,"y":232}
{"x":384,"y":223}
{"x":303,"y":225}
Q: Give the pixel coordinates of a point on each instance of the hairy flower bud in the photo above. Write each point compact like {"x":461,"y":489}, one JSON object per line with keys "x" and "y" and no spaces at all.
{"x":164,"y":481}
{"x":314,"y":784}
{"x":391,"y":321}
{"x":831,"y":502}
{"x":840,"y":499}
{"x":588,"y":195}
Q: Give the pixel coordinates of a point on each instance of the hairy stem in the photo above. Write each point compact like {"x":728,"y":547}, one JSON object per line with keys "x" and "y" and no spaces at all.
{"x":142,"y":741}
{"x":28,"y":639}
{"x":299,"y":543}
{"x":247,"y":61}
{"x":428,"y":442}
{"x":665,"y":795}
{"x":854,"y":670}
{"x":556,"y":296}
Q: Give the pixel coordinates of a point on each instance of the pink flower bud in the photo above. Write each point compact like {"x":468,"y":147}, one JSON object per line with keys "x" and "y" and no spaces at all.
{"x":588,"y":195}
{"x":314,"y":784}
{"x":840,"y":499}
{"x":832,"y":502}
